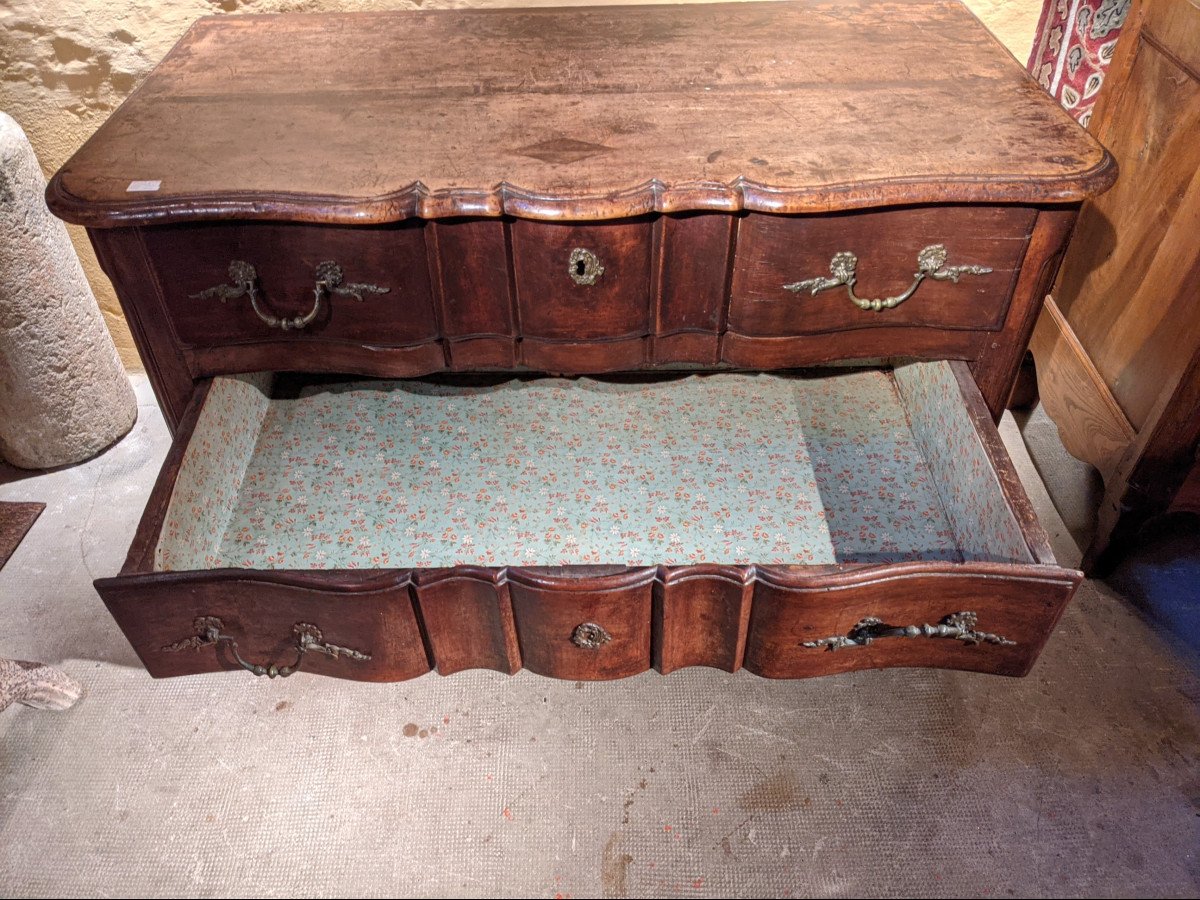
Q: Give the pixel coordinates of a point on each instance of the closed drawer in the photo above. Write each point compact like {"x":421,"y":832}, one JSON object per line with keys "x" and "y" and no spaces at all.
{"x":795,"y":525}
{"x":377,"y":291}
{"x":781,"y":259}
{"x":579,"y":282}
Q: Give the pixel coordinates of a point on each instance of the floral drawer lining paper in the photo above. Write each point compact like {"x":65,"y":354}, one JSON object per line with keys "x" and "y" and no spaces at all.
{"x":724,"y":468}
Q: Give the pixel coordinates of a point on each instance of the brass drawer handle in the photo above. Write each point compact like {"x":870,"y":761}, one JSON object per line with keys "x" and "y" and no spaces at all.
{"x":960,"y":626}
{"x":931,"y":263}
{"x":584,"y":267}
{"x":243,"y":280}
{"x":308,"y":637}
{"x":590,"y":636}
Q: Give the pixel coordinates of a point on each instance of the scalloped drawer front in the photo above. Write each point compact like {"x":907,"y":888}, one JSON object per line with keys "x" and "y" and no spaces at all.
{"x":774,"y":252}
{"x":589,"y":629}
{"x":384,"y":296}
{"x":359,"y":626}
{"x":578,"y":282}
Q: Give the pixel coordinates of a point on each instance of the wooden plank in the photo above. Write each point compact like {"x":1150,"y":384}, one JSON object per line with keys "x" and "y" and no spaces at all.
{"x":1089,"y":419}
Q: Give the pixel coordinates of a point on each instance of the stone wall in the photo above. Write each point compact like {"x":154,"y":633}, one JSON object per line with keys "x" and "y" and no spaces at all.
{"x":65,"y":65}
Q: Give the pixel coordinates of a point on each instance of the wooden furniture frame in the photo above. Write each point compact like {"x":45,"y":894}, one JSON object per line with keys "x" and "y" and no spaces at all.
{"x":591,"y":191}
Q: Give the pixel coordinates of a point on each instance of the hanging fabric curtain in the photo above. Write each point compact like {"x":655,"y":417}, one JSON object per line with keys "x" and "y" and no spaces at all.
{"x":1073,"y":47}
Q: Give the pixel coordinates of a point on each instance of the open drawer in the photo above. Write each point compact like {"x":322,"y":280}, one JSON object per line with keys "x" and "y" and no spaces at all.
{"x":796,"y":525}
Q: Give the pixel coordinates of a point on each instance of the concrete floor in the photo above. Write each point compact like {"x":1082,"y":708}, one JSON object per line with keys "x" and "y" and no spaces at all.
{"x":1081,"y":779}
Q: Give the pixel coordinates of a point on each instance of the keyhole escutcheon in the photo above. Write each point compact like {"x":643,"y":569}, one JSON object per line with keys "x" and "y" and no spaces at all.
{"x":584,"y":267}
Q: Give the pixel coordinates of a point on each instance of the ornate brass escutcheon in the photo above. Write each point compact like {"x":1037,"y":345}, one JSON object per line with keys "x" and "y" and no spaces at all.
{"x":590,"y":636}
{"x":244,"y":279}
{"x":584,"y":267}
{"x":308,"y":638}
{"x":931,"y":263}
{"x":959,"y":626}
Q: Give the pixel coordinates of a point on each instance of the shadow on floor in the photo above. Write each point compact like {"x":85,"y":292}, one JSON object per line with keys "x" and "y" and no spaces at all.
{"x":1160,"y":578}
{"x":1075,"y":486}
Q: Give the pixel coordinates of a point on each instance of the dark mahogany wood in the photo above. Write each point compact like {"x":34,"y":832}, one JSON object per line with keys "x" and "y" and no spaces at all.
{"x":482,"y":294}
{"x":188,"y":259}
{"x":693,"y":272}
{"x":468,"y":618}
{"x":701,"y":614}
{"x":1019,"y":603}
{"x":477,"y":299}
{"x":1000,"y":354}
{"x":234,"y":131}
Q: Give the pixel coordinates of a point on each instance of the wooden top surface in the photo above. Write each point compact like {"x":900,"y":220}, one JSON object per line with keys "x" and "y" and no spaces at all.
{"x":580,"y":113}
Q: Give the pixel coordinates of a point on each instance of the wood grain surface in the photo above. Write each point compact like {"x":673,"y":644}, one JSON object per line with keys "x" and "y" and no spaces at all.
{"x":1091,"y":423}
{"x":1118,"y":352}
{"x":580,"y":113}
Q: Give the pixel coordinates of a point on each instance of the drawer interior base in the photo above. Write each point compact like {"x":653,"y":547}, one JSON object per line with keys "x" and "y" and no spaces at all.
{"x":852,"y":466}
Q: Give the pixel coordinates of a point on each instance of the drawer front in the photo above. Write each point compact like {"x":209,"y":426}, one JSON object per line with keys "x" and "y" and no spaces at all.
{"x":802,"y":626}
{"x":775,"y":252}
{"x":583,"y":282}
{"x":356,"y":627}
{"x":589,"y":628}
{"x":383,"y":298}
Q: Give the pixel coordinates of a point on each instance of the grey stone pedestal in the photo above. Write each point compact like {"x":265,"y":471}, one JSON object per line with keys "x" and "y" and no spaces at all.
{"x":64,"y":395}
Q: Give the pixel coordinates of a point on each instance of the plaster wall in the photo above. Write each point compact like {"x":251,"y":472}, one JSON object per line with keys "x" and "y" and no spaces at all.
{"x":65,"y":65}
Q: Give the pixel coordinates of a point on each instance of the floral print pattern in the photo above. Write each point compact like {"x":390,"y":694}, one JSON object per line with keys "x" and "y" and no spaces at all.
{"x":970,"y":490}
{"x":725,"y":468}
{"x":211,"y":475}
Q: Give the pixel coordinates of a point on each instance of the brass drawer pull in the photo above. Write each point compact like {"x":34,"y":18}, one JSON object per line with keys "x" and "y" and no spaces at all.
{"x":308,"y":637}
{"x":584,"y":267}
{"x":243,"y":279}
{"x":960,"y":626}
{"x":931,"y":263}
{"x":590,"y":636}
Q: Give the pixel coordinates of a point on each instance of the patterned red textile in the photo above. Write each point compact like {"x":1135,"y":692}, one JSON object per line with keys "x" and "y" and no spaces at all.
{"x":1072,"y":48}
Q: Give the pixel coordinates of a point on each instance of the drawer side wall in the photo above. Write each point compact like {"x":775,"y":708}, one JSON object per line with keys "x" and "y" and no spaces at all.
{"x":972,"y":497}
{"x":218,"y":454}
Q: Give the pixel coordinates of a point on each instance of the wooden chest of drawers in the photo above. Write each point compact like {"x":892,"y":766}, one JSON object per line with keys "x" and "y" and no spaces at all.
{"x":607,"y":240}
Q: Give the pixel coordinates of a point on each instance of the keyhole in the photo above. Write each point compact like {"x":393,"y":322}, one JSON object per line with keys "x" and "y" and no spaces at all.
{"x":583,"y":267}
